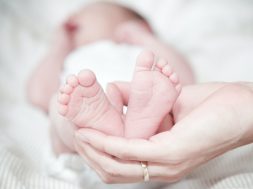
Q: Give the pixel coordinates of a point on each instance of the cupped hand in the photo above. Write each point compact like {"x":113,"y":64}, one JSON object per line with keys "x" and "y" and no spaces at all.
{"x":209,"y":130}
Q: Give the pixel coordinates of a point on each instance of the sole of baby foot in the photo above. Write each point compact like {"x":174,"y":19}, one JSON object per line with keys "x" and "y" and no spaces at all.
{"x":83,"y":102}
{"x":154,"y":90}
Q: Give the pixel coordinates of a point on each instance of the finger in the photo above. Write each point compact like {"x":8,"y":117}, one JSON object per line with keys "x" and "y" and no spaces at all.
{"x":114,"y":96}
{"x":80,"y":149}
{"x":111,"y":170}
{"x":124,"y":88}
{"x":127,"y":149}
{"x":114,"y":170}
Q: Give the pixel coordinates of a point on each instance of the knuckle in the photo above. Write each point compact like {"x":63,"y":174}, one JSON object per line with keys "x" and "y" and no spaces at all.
{"x":107,"y":179}
{"x":177,"y":155}
{"x":177,"y":175}
{"x":176,"y":178}
{"x":128,"y":152}
{"x":111,"y":171}
{"x":174,"y":173}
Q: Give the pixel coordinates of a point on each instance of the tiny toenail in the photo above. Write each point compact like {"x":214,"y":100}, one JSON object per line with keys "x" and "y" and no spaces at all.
{"x":86,"y":78}
{"x":174,"y":78}
{"x":167,"y":70}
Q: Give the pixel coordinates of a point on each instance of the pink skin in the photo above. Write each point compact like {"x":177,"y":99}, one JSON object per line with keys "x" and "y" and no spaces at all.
{"x":95,"y":22}
{"x":211,"y":119}
{"x":138,"y":33}
{"x":153,"y":92}
{"x":40,"y":89}
{"x":81,"y":30}
{"x":91,"y":24}
{"x":82,"y":101}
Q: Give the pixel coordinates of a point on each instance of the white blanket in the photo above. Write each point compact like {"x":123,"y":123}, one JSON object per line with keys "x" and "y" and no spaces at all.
{"x":215,"y":35}
{"x":110,"y":61}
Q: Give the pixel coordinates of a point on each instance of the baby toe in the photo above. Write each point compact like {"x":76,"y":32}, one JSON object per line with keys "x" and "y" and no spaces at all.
{"x":62,"y":109}
{"x":72,"y":81}
{"x":86,"y":78}
{"x":61,"y":89}
{"x":174,"y":78}
{"x":167,"y":70}
{"x":145,"y":61}
{"x":63,"y":98}
{"x":67,"y":89}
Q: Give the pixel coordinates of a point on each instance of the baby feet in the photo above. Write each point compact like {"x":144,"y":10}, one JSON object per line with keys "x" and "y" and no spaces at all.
{"x":154,"y":90}
{"x":82,"y":101}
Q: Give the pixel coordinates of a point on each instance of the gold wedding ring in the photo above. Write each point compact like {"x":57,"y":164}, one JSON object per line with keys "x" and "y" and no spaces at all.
{"x":144,"y":166}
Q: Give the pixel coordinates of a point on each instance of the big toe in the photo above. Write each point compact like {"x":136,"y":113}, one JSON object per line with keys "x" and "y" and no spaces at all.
{"x":89,"y":87}
{"x":145,"y":61}
{"x":86,"y":78}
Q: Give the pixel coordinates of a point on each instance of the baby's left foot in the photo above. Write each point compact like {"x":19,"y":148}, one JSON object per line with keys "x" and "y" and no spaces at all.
{"x":83,"y":102}
{"x":154,"y":90}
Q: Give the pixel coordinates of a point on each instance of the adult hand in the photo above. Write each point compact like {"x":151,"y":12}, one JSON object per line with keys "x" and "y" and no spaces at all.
{"x":210,"y":129}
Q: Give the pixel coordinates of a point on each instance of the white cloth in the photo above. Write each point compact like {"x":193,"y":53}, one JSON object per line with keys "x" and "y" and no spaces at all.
{"x":108,"y":60}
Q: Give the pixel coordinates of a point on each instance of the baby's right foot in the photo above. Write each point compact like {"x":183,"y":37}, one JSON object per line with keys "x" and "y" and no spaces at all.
{"x":83,"y":102}
{"x":154,"y":90}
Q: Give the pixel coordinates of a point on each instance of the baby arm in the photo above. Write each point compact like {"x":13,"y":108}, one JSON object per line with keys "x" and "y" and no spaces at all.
{"x":44,"y":81}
